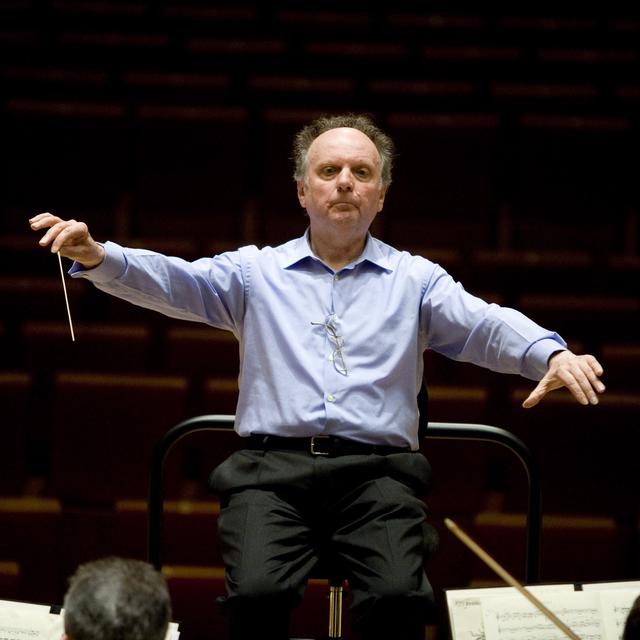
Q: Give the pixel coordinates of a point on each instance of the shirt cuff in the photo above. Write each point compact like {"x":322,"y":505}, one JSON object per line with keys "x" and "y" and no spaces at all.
{"x":537,"y":358}
{"x":112,"y":267}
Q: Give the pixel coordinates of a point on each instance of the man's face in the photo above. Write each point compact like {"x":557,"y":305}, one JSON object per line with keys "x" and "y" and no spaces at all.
{"x":342,"y":186}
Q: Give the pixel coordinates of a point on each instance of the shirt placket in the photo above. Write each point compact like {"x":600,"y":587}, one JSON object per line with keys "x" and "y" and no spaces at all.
{"x":332,"y":375}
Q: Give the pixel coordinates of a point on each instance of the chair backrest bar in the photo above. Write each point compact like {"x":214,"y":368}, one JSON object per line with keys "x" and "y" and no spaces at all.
{"x":437,"y":430}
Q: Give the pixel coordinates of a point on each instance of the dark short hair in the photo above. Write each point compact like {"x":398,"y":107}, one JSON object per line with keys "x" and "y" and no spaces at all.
{"x":117,"y":599}
{"x":362,"y":122}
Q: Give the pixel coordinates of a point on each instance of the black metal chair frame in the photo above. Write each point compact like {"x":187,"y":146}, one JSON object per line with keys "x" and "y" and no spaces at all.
{"x":435,"y":430}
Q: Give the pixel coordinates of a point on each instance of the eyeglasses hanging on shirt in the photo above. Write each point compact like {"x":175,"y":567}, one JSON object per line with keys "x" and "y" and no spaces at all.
{"x":337,"y":356}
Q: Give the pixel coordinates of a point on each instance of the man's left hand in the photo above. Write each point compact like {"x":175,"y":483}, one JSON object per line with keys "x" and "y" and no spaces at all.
{"x":580,"y":374}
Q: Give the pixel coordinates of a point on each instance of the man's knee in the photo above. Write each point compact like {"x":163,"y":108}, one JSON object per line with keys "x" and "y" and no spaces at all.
{"x":393,"y":613}
{"x":259,"y":588}
{"x":398,"y":588}
{"x":396,"y":596}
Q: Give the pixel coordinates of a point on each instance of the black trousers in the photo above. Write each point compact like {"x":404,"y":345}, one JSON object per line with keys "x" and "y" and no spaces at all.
{"x":280,"y":509}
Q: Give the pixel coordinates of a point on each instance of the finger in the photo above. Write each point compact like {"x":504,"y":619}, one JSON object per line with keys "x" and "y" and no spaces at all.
{"x":584,"y":371}
{"x":53,"y":232}
{"x":536,"y":395}
{"x":39,"y":217}
{"x":550,"y":382}
{"x":531,"y":401}
{"x":594,"y":366}
{"x":68,"y":235}
{"x":579,"y":386}
{"x":64,"y":233}
{"x":579,"y":367}
{"x":593,"y":376}
{"x":43,"y":220}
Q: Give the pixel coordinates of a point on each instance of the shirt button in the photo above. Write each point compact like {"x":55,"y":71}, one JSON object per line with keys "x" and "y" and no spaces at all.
{"x":336,"y":277}
{"x":331,"y":398}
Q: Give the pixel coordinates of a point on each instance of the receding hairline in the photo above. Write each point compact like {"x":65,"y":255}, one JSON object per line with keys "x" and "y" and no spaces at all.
{"x":360,"y":122}
{"x":344,"y":129}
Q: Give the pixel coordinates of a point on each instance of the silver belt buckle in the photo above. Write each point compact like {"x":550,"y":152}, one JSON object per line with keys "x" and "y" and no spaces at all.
{"x":312,"y":446}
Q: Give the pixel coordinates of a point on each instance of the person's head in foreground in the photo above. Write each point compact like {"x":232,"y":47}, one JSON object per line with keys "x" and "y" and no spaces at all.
{"x":632,"y":626}
{"x":116,"y":599}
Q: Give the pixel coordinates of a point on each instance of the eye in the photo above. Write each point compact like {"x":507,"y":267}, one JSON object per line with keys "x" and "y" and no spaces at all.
{"x":363,"y":173}
{"x":328,"y":171}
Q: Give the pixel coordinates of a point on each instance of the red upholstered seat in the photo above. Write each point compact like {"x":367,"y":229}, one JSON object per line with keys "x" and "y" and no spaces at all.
{"x":104,"y":429}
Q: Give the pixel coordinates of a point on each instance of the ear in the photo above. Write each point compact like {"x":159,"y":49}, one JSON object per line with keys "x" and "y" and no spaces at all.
{"x":301,"y":195}
{"x":383,"y":193}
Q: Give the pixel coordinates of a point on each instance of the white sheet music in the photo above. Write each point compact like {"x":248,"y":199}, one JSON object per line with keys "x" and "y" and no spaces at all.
{"x":22,"y":621}
{"x":25,"y":621}
{"x":599,"y":611}
{"x":33,"y":608}
{"x":465,"y":607}
{"x":606,"y":586}
{"x":615,"y":605}
{"x":515,"y":618}
{"x":172,"y":632}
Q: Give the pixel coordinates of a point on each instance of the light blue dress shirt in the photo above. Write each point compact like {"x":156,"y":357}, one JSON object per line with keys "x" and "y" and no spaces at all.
{"x":324,"y":352}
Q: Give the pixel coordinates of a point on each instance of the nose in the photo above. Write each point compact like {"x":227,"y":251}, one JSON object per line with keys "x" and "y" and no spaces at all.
{"x":345,"y":180}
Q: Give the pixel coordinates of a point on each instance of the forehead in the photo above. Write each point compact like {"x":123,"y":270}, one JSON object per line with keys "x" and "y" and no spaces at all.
{"x":343,"y":143}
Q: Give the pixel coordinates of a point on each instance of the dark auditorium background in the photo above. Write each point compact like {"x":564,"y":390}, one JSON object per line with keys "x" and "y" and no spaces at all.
{"x":168,"y":125}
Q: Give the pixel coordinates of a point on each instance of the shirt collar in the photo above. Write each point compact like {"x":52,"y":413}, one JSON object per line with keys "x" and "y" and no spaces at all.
{"x":300,"y":249}
{"x":296,"y":250}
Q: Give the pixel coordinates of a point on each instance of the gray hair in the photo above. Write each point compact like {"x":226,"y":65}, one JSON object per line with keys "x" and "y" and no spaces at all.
{"x":632,"y":624}
{"x":117,"y":599}
{"x":362,"y":122}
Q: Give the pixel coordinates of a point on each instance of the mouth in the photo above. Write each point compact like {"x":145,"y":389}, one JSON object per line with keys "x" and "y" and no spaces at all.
{"x":343,"y":205}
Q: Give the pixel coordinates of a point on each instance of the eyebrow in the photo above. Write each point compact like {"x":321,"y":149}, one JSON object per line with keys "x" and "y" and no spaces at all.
{"x":356,"y":163}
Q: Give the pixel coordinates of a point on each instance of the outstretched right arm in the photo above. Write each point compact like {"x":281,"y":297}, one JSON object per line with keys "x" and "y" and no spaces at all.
{"x":71,"y":238}
{"x":209,"y":290}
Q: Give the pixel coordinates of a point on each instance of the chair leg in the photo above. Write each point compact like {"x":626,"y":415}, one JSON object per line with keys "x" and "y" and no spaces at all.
{"x":335,"y":611}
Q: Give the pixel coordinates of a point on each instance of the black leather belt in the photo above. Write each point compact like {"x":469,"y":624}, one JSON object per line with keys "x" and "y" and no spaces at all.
{"x":321,"y":445}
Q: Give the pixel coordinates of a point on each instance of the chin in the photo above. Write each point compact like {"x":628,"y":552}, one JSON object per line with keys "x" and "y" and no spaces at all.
{"x":345,"y":217}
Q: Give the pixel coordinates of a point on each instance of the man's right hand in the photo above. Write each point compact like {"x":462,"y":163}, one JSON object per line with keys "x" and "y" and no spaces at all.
{"x":70,"y":238}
